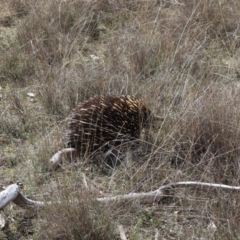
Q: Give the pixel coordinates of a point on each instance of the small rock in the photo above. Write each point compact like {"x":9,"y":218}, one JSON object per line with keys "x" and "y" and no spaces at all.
{"x":94,"y":57}
{"x":30,"y":94}
{"x":2,"y":220}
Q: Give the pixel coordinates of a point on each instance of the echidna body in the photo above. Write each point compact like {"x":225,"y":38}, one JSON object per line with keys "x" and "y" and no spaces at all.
{"x":105,"y":121}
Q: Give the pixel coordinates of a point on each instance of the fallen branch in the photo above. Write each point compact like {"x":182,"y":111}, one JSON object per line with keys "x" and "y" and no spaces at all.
{"x":9,"y":194}
{"x":56,"y":159}
{"x":12,"y":194}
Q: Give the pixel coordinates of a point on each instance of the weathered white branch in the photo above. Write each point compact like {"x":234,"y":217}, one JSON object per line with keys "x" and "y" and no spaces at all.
{"x":12,"y":193}
{"x":8,"y":195}
{"x":56,"y":159}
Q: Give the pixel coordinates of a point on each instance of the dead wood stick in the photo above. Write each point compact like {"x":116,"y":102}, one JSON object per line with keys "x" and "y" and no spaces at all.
{"x":8,"y":194}
{"x":56,"y":159}
{"x":12,"y":193}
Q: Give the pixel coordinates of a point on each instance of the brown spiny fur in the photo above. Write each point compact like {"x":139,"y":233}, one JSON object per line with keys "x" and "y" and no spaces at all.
{"x":104,"y":121}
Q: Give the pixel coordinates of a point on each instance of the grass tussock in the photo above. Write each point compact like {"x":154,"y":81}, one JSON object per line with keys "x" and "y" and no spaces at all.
{"x":181,"y":57}
{"x":209,"y":136}
{"x":82,"y":219}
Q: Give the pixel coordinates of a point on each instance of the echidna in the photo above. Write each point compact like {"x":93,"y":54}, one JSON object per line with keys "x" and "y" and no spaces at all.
{"x":102,"y":122}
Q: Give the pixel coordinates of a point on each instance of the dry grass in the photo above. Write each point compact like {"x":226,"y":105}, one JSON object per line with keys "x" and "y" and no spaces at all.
{"x":83,"y":219}
{"x":181,"y":57}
